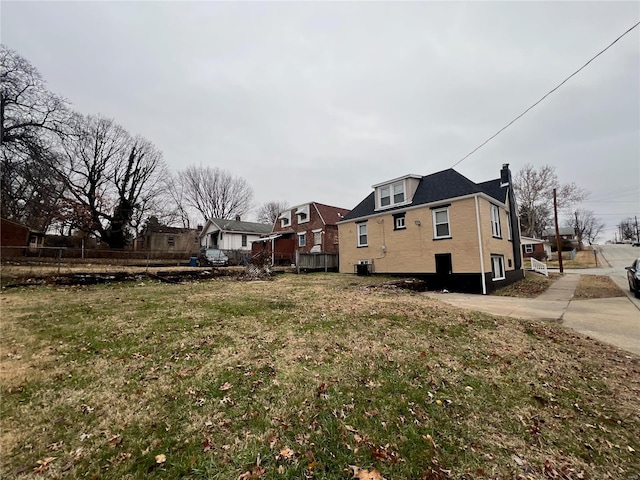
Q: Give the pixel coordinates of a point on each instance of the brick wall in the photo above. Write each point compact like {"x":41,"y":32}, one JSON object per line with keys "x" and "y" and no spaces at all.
{"x":413,"y":249}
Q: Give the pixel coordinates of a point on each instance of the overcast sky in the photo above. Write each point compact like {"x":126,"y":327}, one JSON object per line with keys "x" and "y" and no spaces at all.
{"x":319,"y":101}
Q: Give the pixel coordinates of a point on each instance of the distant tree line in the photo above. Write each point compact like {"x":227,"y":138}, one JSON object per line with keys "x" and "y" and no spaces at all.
{"x":71,"y":173}
{"x":67,"y":172}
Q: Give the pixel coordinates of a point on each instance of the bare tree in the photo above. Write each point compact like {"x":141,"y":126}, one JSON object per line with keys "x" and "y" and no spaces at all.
{"x":268,"y":213}
{"x":627,"y":229}
{"x":215,"y":193}
{"x":534,"y":193}
{"x":111,"y":175}
{"x":586,"y":225}
{"x":31,"y":122}
{"x":177,"y":210}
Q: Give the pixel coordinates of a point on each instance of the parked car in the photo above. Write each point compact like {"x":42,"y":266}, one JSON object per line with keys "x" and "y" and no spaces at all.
{"x":633,"y":276}
{"x":213,"y":257}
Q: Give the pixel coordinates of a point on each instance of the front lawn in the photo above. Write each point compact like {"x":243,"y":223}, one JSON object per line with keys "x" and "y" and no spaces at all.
{"x":320,"y":376}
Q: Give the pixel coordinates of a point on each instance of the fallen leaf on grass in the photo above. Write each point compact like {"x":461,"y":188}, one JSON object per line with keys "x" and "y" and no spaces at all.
{"x":161,"y":458}
{"x":255,"y":472}
{"x":226,"y":386}
{"x":286,"y":453}
{"x":43,"y":465}
{"x":364,"y":474}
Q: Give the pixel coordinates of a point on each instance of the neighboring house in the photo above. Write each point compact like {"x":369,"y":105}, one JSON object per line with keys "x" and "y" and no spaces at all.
{"x":14,"y":234}
{"x":157,"y":237}
{"x":234,"y":237}
{"x":442,"y":228}
{"x":307,"y":228}
{"x":536,"y":248}
{"x":567,"y":234}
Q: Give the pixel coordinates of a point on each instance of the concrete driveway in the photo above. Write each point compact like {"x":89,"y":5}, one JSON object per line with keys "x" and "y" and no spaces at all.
{"x":611,"y":320}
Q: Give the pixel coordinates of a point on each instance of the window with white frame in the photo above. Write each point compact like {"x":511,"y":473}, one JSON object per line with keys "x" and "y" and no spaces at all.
{"x":495,"y":222}
{"x":441,"y":223}
{"x":302,"y":239}
{"x":497,"y":267}
{"x":362,"y":234}
{"x":244,"y":240}
{"x":285,"y":218}
{"x":317,"y":237}
{"x":399,"y":222}
{"x":392,"y":194}
{"x":303,"y":214}
{"x":528,"y":248}
{"x":171,"y":241}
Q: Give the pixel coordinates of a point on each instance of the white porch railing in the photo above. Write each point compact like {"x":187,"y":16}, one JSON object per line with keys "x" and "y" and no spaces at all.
{"x":539,"y":267}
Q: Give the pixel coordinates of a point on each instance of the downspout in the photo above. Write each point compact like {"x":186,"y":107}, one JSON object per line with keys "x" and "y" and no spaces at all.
{"x":484,"y":281}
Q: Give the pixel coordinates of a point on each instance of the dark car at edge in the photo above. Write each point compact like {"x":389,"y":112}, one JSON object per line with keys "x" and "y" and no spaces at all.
{"x":633,"y":276}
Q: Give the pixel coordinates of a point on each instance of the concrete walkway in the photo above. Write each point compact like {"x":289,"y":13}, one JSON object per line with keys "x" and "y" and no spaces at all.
{"x":610,"y":320}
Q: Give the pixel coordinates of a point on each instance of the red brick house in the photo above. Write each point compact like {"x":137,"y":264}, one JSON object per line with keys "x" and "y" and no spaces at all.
{"x":308,"y":228}
{"x":536,"y":248}
{"x":14,"y":234}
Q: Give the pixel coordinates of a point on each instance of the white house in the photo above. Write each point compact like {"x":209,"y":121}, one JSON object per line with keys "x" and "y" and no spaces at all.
{"x":232,"y":235}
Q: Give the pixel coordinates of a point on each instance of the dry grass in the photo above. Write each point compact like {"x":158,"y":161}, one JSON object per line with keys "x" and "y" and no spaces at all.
{"x":583,"y":259}
{"x":597,"y":286}
{"x":302,"y":377}
{"x":531,"y":286}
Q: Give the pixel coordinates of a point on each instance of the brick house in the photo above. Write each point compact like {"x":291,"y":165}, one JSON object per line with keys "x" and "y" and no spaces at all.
{"x":157,"y":237}
{"x":535,"y":248}
{"x":307,"y":228}
{"x":14,"y":234}
{"x":443,"y":228}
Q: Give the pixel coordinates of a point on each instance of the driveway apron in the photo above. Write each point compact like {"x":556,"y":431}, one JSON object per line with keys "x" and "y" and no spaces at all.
{"x":611,"y":320}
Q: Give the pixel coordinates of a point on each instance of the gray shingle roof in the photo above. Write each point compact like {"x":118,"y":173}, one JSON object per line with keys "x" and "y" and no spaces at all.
{"x":239,"y":226}
{"x":440,"y":186}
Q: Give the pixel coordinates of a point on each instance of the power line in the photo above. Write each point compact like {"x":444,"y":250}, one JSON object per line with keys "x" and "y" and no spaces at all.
{"x":545,"y":96}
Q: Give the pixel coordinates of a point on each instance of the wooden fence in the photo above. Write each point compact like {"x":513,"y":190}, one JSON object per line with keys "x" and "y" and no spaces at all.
{"x":317,"y":261}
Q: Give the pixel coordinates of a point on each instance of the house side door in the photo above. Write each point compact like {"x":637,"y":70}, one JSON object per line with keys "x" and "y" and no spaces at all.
{"x":444,"y":269}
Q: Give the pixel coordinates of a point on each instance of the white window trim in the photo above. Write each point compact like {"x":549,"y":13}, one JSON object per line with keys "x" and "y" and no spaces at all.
{"x":500,"y":259}
{"x":528,"y":248}
{"x":435,"y":225}
{"x":366,"y":233}
{"x":496,"y":230}
{"x":400,"y":223}
{"x":302,"y":235}
{"x":285,"y":218}
{"x":303,"y":211}
{"x":391,"y":186}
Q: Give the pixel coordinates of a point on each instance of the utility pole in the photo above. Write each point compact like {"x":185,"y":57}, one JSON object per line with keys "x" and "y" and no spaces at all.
{"x":558,"y":239}
{"x":578,"y":230}
{"x":637,"y":232}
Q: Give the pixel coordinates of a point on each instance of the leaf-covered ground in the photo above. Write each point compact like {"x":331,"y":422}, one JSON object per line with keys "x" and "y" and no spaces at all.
{"x":317,"y":376}
{"x":597,"y":286}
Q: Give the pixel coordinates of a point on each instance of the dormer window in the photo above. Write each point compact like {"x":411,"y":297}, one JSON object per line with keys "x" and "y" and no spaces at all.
{"x":392,"y":194}
{"x":285,"y":218}
{"x":303,"y":214}
{"x":395,"y":192}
